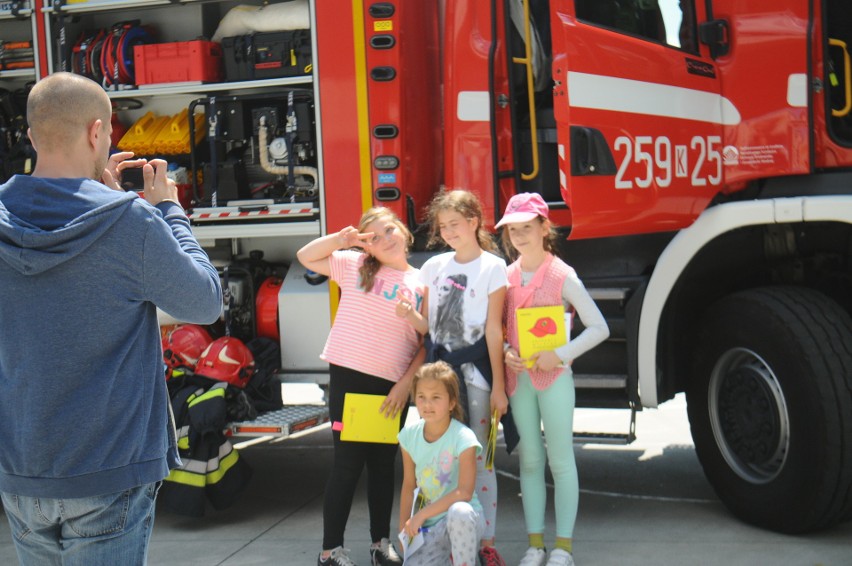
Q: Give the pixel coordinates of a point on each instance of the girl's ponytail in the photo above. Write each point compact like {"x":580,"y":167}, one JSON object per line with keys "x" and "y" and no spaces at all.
{"x":483,"y":236}
{"x":368,"y":271}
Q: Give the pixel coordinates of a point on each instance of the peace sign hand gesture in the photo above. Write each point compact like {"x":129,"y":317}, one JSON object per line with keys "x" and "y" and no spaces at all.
{"x":350,"y":237}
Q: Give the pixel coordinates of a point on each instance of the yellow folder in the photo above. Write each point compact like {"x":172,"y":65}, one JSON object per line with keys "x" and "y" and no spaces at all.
{"x":362,"y":421}
{"x":540,"y":329}
{"x":491,"y":448}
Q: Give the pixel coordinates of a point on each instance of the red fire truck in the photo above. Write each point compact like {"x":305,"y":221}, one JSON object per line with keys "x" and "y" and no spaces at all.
{"x":696,"y":153}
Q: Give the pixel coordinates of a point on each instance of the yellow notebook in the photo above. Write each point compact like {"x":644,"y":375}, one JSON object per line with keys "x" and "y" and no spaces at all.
{"x":491,"y":448}
{"x":540,"y":329}
{"x":362,"y":421}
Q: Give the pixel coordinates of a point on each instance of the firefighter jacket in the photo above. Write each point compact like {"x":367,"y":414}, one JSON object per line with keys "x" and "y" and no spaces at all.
{"x":211,"y":467}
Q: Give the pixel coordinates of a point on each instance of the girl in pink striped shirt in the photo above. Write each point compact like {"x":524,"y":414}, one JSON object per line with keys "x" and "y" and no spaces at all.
{"x":369,"y":350}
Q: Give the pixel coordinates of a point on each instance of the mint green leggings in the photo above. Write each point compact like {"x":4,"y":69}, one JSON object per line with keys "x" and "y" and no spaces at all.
{"x":554,"y":408}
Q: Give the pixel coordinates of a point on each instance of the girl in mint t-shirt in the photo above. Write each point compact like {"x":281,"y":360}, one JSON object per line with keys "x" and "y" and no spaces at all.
{"x":462,"y":321}
{"x":439,"y":458}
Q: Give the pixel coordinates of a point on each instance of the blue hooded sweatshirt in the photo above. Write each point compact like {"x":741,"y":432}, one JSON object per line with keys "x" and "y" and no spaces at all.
{"x":83,"y":402}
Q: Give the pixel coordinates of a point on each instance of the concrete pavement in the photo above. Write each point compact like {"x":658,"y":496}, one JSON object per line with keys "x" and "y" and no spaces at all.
{"x":644,"y":504}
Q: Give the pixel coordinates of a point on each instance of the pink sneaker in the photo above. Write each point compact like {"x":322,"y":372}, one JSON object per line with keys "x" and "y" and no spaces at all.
{"x":488,"y":556}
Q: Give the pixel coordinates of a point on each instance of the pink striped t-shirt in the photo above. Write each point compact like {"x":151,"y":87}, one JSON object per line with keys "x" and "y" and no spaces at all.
{"x":367,"y":336}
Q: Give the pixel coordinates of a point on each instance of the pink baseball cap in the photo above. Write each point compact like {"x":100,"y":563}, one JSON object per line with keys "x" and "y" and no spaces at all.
{"x":523,"y":207}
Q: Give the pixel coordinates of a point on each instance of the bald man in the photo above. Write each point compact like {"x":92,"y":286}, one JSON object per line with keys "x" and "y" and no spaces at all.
{"x":84,"y":410}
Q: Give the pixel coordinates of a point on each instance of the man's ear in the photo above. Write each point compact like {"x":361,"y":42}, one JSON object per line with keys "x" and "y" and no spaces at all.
{"x":32,"y":139}
{"x":95,"y":132}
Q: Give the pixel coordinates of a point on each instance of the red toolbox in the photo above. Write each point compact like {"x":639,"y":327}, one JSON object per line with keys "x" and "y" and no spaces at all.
{"x":182,"y":61}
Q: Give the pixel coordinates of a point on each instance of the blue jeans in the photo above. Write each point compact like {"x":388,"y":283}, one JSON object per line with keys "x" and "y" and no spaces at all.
{"x":89,"y":531}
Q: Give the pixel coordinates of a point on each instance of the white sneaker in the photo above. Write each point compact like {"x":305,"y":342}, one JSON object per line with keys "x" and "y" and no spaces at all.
{"x":559,"y":557}
{"x":534,"y":557}
{"x":384,"y":554}
{"x":339,"y":557}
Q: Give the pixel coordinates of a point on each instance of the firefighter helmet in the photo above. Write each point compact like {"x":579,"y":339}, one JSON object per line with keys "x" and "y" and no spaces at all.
{"x":183,"y":346}
{"x":227,"y":359}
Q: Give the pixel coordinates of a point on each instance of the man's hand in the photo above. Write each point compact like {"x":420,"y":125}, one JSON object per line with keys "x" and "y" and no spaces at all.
{"x":117,"y":163}
{"x":158,"y":187}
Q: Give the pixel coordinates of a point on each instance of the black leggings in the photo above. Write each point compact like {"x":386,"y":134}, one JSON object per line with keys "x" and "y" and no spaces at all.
{"x":349,"y":460}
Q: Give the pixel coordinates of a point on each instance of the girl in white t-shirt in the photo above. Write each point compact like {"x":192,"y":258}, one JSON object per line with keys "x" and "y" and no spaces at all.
{"x":439,"y":460}
{"x":463,"y":317}
{"x":369,"y":350}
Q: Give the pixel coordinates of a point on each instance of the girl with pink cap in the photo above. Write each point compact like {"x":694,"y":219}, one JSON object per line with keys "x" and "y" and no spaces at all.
{"x":541,"y":387}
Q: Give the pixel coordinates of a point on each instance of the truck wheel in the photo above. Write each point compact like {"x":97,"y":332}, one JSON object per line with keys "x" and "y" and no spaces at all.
{"x":770,"y":407}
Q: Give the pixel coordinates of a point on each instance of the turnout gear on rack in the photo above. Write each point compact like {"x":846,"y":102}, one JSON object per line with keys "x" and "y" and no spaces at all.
{"x":211,"y":467}
{"x":264,"y":388}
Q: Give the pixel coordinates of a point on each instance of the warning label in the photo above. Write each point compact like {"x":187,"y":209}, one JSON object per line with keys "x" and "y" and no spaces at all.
{"x":759,"y":154}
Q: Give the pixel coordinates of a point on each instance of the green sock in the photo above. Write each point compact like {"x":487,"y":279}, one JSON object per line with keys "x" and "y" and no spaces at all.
{"x":537,"y":540}
{"x":563,"y":543}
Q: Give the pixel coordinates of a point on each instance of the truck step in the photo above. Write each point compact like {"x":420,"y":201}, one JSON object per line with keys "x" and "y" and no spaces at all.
{"x":603,"y":438}
{"x":610,"y":437}
{"x":600,"y":381}
{"x":609,"y":293}
{"x":284,"y":422}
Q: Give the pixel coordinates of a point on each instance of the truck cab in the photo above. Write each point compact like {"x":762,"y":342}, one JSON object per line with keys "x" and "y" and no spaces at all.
{"x":697,"y":155}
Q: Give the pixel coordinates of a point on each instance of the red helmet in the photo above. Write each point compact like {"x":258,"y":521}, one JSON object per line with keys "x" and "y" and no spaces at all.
{"x":183,"y":346}
{"x":227,"y":359}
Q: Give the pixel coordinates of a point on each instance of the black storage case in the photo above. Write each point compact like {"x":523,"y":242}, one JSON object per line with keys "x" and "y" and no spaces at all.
{"x":267,"y":55}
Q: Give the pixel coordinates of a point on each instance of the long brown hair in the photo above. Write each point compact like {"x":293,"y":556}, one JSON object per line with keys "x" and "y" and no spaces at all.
{"x":466,"y":204}
{"x":549,"y":242}
{"x":371,"y":265}
{"x":443,"y":373}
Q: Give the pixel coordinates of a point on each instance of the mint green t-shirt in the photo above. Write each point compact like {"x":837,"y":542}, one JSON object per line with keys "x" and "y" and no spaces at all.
{"x":436,"y":464}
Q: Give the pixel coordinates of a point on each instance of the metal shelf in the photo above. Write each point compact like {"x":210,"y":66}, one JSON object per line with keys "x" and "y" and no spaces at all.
{"x":284,"y":423}
{"x":18,"y":74}
{"x":203,"y":88}
{"x":106,"y":5}
{"x":256,"y":230}
{"x":23,"y":13}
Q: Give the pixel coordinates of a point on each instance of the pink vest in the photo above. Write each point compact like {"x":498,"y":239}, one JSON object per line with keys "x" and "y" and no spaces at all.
{"x":545,"y":289}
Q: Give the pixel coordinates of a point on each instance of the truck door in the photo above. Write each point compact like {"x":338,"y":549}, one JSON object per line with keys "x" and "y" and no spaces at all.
{"x":639,"y":115}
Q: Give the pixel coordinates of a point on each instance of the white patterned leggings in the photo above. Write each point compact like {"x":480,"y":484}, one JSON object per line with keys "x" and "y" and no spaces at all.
{"x":456,"y":535}
{"x":479,"y":409}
